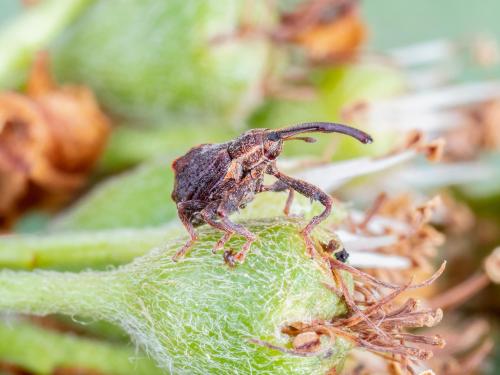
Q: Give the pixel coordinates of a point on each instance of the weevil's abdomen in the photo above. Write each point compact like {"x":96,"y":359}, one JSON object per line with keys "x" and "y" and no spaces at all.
{"x":198,"y":171}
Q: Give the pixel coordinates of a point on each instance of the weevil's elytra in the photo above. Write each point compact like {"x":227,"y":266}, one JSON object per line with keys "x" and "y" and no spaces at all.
{"x":214,"y":180}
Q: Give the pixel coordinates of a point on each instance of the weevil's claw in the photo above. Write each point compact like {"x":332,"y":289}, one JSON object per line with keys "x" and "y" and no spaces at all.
{"x":240,"y":257}
{"x":229,"y":258}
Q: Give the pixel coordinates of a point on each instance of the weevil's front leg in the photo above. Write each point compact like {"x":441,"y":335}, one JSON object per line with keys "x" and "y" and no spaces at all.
{"x":229,"y":204}
{"x":182,"y":210}
{"x":241,"y":230}
{"x":209,"y":215}
{"x":312,"y":192}
{"x":280,"y":186}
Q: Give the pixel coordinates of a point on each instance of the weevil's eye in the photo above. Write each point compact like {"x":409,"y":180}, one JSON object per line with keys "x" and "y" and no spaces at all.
{"x":273,"y":137}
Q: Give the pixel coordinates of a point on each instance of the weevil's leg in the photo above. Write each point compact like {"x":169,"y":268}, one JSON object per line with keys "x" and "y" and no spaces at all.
{"x":289,"y":201}
{"x":241,"y":230}
{"x":209,"y":214}
{"x":229,"y":204}
{"x":280,"y":186}
{"x":312,"y":192}
{"x":182,"y":210}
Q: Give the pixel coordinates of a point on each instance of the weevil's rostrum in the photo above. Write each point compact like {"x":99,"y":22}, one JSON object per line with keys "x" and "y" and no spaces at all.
{"x":213,"y":181}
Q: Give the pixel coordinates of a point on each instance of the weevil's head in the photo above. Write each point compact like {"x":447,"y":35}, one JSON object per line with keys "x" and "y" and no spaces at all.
{"x":260,"y":145}
{"x":273,"y":139}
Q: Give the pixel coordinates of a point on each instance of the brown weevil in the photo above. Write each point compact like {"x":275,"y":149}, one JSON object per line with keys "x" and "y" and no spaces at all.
{"x":214,"y":180}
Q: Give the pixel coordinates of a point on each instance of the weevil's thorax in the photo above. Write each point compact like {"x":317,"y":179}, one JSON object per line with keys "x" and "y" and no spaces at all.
{"x":248,"y":149}
{"x":255,"y":147}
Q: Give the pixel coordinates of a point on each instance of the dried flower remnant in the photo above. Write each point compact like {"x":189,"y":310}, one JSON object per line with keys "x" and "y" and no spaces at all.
{"x":327,"y":30}
{"x":374,"y":321}
{"x":479,"y":131}
{"x":50,"y":139}
{"x":467,"y":347}
{"x":415,"y":238}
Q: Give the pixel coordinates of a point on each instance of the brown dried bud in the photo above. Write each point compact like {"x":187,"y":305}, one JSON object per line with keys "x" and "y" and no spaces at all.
{"x":326,"y":30}
{"x":49,"y":139}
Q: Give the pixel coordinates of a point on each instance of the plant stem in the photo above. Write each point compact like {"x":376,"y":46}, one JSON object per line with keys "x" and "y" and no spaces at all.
{"x":77,"y":251}
{"x":43,"y":351}
{"x":45,"y":292}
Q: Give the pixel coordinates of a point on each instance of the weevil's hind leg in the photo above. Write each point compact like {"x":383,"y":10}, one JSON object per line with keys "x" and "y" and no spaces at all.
{"x":182,"y":210}
{"x":289,"y":201}
{"x":280,"y":186}
{"x":314,"y":193}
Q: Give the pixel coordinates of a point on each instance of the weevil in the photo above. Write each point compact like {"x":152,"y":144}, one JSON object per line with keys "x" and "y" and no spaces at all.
{"x":213,"y":181}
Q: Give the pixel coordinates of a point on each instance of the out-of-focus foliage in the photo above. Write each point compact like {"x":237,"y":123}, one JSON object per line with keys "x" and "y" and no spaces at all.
{"x":153,"y":58}
{"x":44,"y":351}
{"x":334,"y":88}
{"x":134,"y":199}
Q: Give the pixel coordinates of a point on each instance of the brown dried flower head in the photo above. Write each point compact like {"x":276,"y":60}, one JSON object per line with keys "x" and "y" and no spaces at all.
{"x":325,"y":29}
{"x":50,"y":138}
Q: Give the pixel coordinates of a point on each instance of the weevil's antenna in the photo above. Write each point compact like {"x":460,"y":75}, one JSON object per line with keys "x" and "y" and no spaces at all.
{"x":305,"y":139}
{"x":323,"y":127}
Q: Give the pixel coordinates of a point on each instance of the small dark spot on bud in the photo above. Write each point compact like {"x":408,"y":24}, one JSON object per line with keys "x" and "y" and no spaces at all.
{"x":342,"y":255}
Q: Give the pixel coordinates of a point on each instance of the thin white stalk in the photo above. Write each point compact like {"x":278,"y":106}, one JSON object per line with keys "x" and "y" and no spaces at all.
{"x":379,"y":261}
{"x":355,"y":242}
{"x":423,"y":53}
{"x":446,"y":97}
{"x":331,"y":176}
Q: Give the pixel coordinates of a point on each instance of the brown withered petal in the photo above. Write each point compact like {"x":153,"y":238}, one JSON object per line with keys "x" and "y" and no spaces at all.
{"x":50,"y":138}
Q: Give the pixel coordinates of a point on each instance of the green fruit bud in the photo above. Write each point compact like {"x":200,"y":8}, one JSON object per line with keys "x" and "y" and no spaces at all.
{"x":198,"y":316}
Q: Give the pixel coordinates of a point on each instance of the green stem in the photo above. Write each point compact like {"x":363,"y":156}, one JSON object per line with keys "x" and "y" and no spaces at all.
{"x":76,"y":251}
{"x":42,"y":351}
{"x":30,"y":32}
{"x":86,"y":294}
